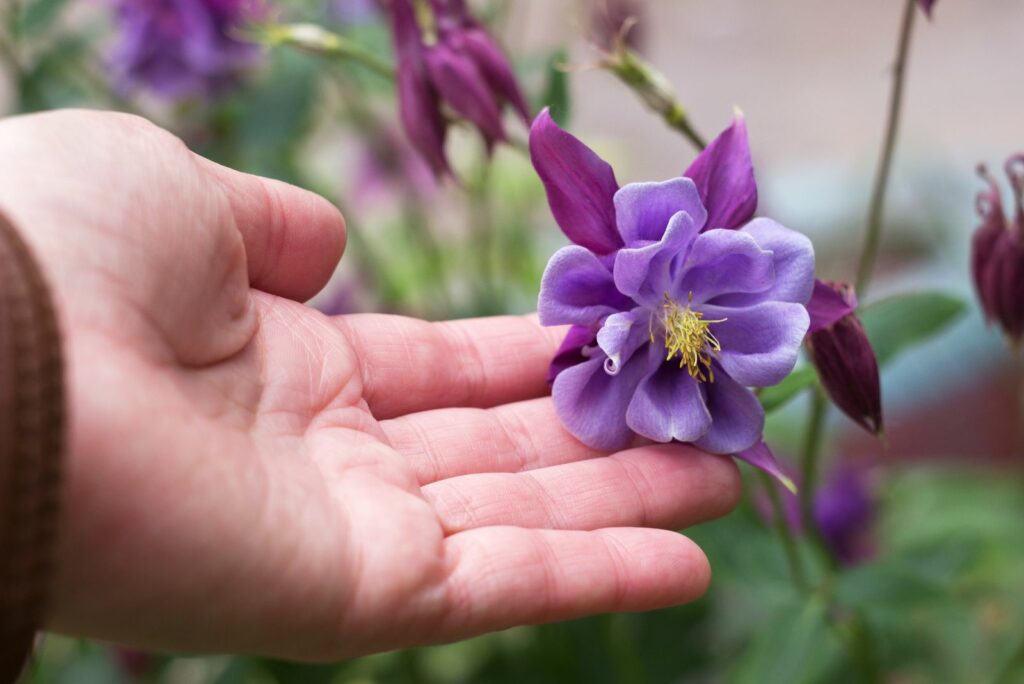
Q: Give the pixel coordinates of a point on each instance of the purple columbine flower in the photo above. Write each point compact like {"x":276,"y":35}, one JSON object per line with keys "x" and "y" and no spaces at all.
{"x":680,"y":303}
{"x":843,"y":355}
{"x":997,"y":253}
{"x":182,"y":48}
{"x":453,"y":61}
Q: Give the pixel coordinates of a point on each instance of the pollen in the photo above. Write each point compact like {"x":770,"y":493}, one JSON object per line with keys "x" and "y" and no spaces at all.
{"x":688,"y":335}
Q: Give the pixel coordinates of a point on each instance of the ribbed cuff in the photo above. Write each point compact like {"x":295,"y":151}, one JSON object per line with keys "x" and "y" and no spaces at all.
{"x":32,"y":434}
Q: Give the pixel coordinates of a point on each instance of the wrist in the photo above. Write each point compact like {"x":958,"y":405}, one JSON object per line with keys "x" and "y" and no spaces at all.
{"x":32,"y":429}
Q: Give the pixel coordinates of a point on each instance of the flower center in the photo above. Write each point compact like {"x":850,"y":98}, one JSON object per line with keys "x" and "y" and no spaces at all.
{"x":689,"y":336}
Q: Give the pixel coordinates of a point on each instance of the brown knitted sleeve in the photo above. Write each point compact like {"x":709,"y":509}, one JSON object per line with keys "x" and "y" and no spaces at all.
{"x":32,"y":428}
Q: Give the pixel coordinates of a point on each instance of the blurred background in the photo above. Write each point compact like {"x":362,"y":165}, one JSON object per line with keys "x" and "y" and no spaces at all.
{"x":930,"y":521}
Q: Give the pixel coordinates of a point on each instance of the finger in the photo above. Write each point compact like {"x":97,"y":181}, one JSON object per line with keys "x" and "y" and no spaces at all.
{"x":506,"y":576}
{"x":411,"y":365}
{"x":510,"y":438}
{"x":293,"y":237}
{"x":669,"y":486}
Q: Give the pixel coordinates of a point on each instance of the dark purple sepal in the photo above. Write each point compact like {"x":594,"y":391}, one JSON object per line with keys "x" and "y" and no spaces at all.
{"x":580,"y":186}
{"x":496,"y":70}
{"x":829,"y":303}
{"x":724,"y":175}
{"x":762,"y":458}
{"x":459,"y":82}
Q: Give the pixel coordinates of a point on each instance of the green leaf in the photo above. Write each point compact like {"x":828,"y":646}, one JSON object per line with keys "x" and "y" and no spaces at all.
{"x":37,"y":16}
{"x":904,"y":321}
{"x":794,"y":645}
{"x":779,"y":395}
{"x":556,"y":92}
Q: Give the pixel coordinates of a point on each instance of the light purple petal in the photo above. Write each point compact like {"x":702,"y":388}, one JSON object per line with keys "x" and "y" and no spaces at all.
{"x":577,"y":288}
{"x":643,"y":210}
{"x":830,"y":303}
{"x":646,"y":273}
{"x":572,"y":350}
{"x":592,"y":404}
{"x":579,"y":184}
{"x":621,"y":335}
{"x":724,"y":176}
{"x":668,"y":405}
{"x":759,"y":343}
{"x":738,"y":418}
{"x":723,"y":262}
{"x":793,"y":257}
{"x":761,"y":457}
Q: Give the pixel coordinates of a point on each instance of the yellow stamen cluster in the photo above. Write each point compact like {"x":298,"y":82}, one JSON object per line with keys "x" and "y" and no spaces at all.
{"x":689,"y":336}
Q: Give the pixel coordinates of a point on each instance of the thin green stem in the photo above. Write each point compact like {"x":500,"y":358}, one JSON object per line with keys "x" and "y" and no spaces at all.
{"x":318,"y":40}
{"x":810,"y":458}
{"x":876,"y":208}
{"x":789,"y":547}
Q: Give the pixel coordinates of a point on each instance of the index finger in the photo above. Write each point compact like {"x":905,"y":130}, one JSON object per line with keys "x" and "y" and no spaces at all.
{"x":409,"y":365}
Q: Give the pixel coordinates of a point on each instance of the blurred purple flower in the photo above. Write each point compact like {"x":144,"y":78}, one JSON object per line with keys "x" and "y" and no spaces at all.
{"x":354,"y":11}
{"x":387,"y":169}
{"x":997,"y":254}
{"x":617,"y":22}
{"x":926,"y":5}
{"x":182,"y":48}
{"x":843,"y":355}
{"x":453,"y":61}
{"x":844,"y":511}
{"x":687,"y":311}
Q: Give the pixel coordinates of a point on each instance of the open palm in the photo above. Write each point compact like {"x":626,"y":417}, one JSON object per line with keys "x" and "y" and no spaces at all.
{"x":246,"y":474}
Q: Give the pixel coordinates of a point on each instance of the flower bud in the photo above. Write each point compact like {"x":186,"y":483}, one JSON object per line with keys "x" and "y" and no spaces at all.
{"x":843,"y":354}
{"x":997,"y":253}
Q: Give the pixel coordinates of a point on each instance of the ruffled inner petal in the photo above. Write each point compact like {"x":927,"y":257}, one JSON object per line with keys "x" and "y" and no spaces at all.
{"x":737,"y":418}
{"x":668,"y":405}
{"x":760,"y":343}
{"x":645,"y":273}
{"x":643,"y":210}
{"x":793,"y":258}
{"x":723,"y":262}
{"x":577,"y":288}
{"x":621,"y":335}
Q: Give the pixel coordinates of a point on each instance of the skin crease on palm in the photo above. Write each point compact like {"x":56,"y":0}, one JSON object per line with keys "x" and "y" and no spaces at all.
{"x":245,"y":474}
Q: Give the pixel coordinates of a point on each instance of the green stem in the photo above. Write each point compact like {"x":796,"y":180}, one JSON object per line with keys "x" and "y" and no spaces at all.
{"x":789,"y":547}
{"x":876,"y":208}
{"x":809,"y":461}
{"x":320,"y":41}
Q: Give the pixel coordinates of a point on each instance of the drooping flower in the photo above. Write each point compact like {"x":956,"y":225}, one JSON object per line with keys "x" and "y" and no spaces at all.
{"x":182,"y":48}
{"x":843,"y":355}
{"x":454,"y":61}
{"x":844,"y":509}
{"x":680,"y":302}
{"x":997,"y":253}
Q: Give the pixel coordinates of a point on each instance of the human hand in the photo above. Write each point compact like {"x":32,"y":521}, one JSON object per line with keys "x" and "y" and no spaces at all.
{"x":246,"y":474}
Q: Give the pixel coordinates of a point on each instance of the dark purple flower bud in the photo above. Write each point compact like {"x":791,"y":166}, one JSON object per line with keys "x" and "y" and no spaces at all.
{"x":724,"y":175}
{"x":997,"y":254}
{"x":183,"y":48}
{"x":418,"y":105}
{"x":844,"y":511}
{"x":579,"y":184}
{"x":926,"y":5}
{"x":844,"y":357}
{"x":495,"y":68}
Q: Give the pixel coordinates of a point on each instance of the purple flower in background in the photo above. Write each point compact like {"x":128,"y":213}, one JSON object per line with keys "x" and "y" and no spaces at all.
{"x":182,"y":48}
{"x":678,"y":310}
{"x":454,"y":61}
{"x":844,"y":511}
{"x":926,"y":5}
{"x":843,"y":355}
{"x":616,"y":23}
{"x":997,"y":253}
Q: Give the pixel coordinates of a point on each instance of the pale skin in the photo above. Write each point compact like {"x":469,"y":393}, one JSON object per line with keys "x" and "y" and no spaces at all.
{"x":245,"y":474}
